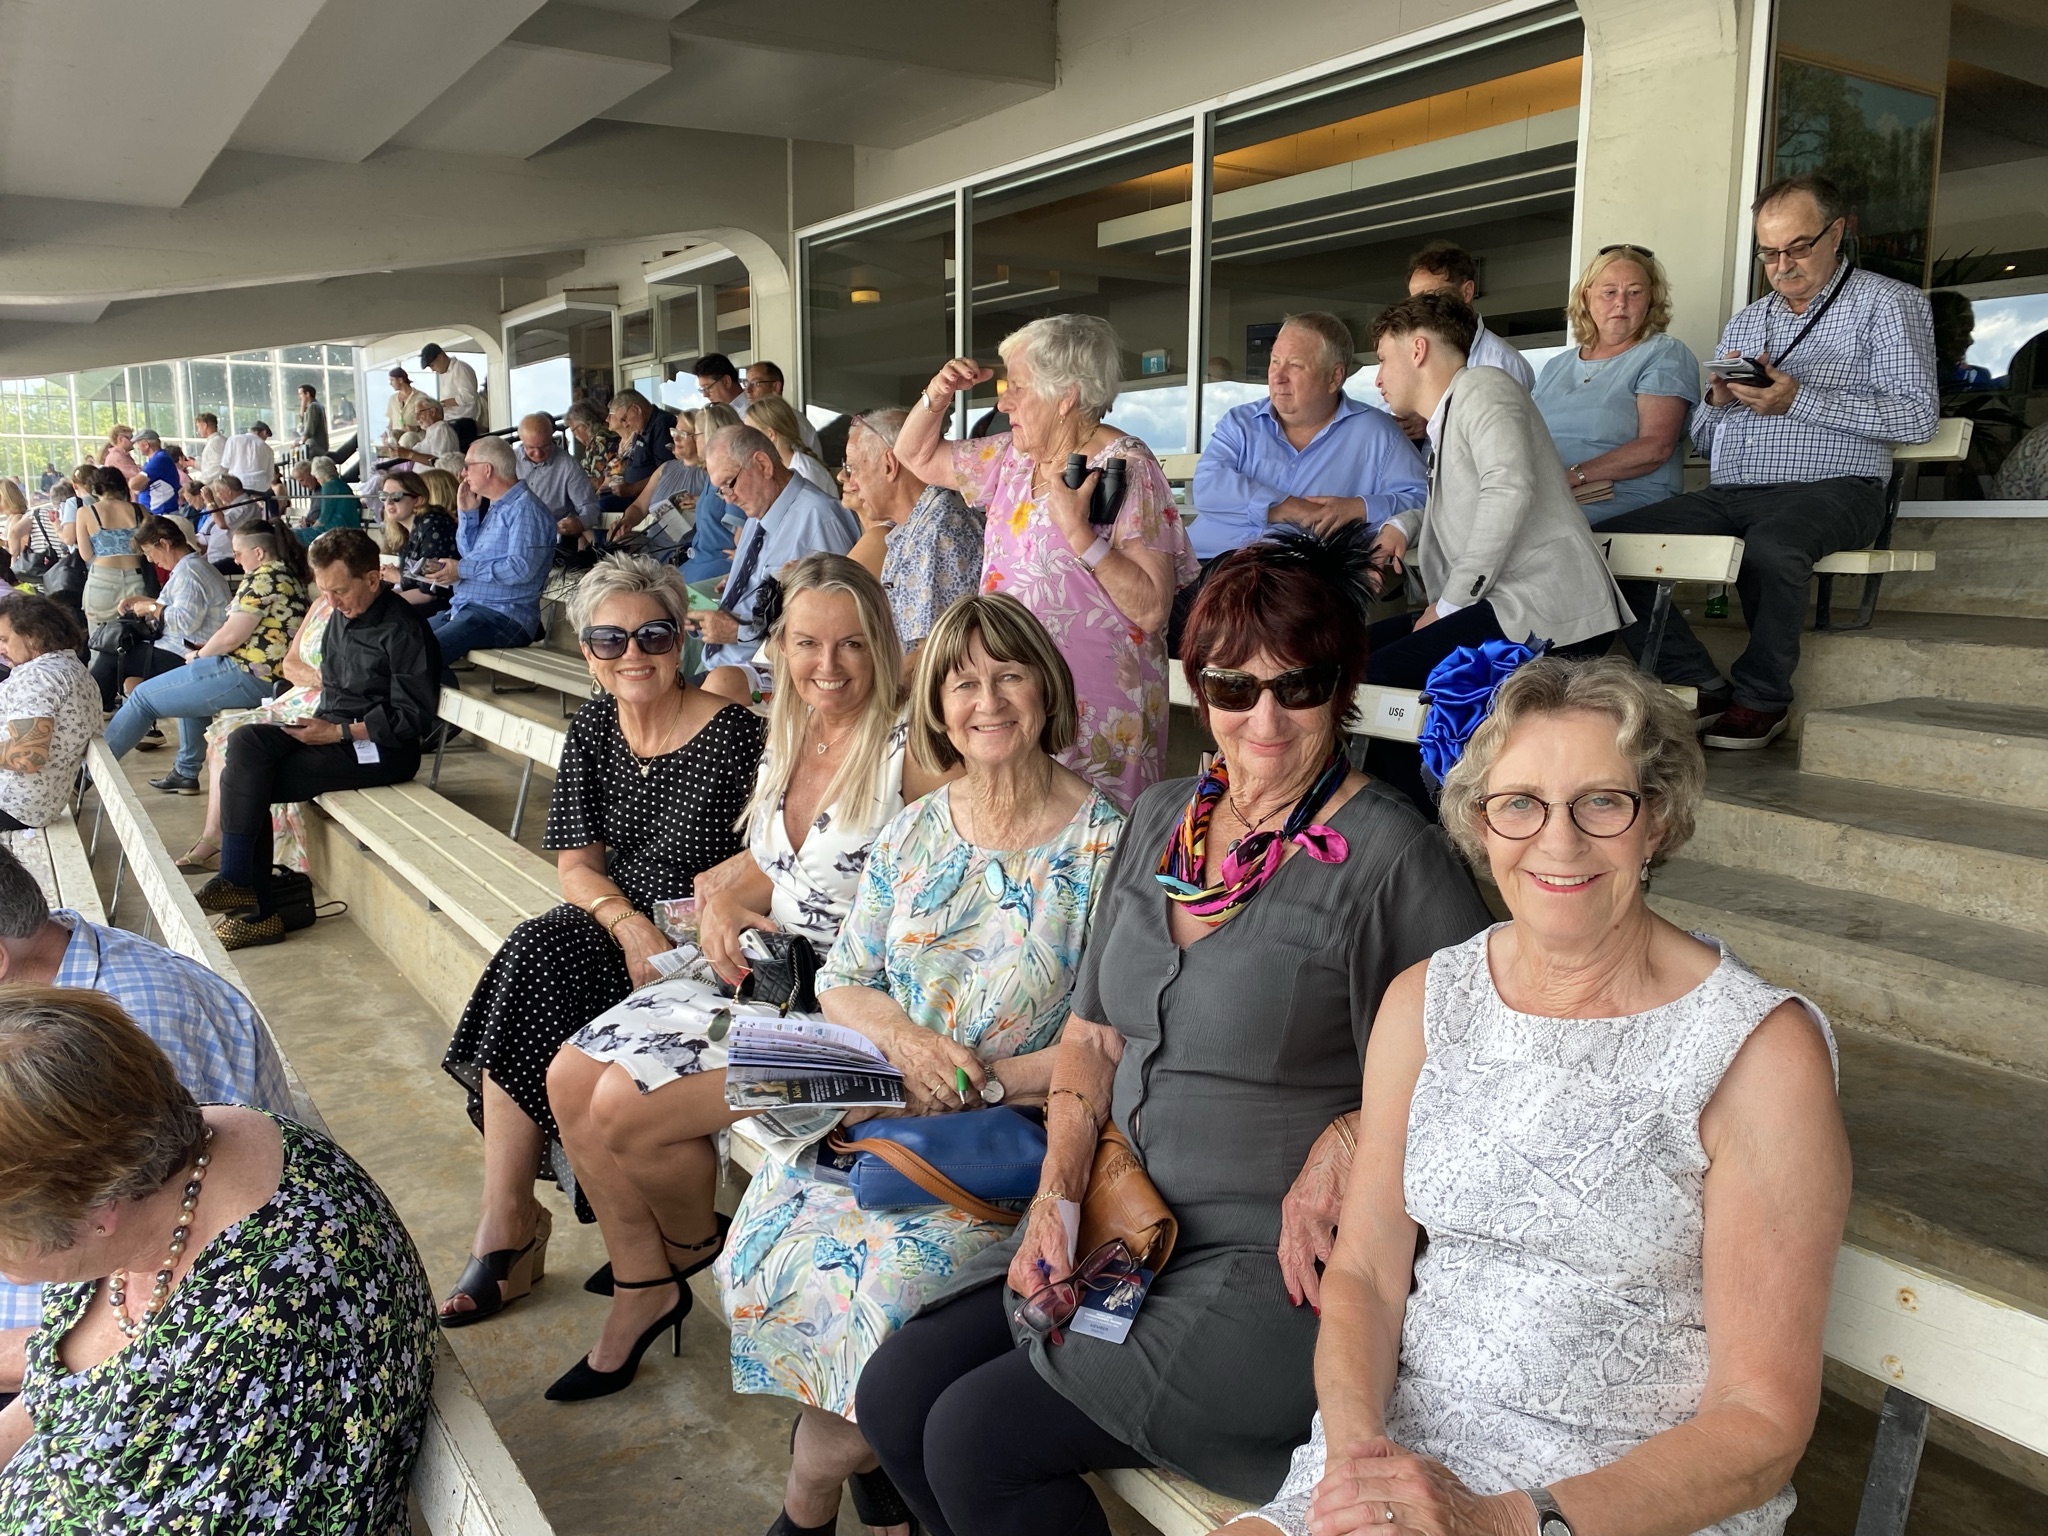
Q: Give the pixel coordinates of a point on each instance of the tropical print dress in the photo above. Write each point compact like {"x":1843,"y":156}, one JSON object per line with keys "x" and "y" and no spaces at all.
{"x":1119,"y":670}
{"x":981,"y":947}
{"x":284,"y":1386}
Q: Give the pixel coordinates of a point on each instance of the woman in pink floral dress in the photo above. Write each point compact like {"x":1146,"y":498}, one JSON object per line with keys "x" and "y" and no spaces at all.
{"x":1103,"y":593}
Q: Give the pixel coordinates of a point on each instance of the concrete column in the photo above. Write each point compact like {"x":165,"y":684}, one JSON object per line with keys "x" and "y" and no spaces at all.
{"x":1665,"y":130}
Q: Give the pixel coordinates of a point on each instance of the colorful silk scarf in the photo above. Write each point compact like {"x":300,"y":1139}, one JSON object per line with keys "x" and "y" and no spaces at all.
{"x":1254,"y":861}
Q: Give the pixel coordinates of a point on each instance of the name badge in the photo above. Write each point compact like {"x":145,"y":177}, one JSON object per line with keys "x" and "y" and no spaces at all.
{"x":1107,"y":1315}
{"x":366,"y":752}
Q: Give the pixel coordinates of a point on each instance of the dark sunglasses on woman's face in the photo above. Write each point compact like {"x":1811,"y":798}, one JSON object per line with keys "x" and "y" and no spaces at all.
{"x":607,"y":642}
{"x":1236,"y":692}
{"x":391,"y":496}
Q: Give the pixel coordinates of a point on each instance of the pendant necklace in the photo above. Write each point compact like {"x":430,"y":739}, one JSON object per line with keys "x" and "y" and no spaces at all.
{"x":1250,"y":826}
{"x":826,"y":746}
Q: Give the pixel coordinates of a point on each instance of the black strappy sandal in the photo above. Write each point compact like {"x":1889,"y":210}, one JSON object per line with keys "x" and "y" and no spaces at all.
{"x":600,"y":1282}
{"x":493,"y":1281}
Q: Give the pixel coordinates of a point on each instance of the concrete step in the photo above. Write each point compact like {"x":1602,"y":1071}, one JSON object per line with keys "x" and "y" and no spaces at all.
{"x":1995,"y":752}
{"x":1985,"y":658}
{"x":1959,"y":857}
{"x":1951,"y":1164}
{"x":1956,"y":984}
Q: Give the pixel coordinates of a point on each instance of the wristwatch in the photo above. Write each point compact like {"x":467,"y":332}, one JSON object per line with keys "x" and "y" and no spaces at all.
{"x":1550,"y":1520}
{"x":991,"y":1089}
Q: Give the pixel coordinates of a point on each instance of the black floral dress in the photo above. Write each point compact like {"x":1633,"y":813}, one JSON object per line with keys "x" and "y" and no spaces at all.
{"x":662,"y":821}
{"x":283,"y":1387}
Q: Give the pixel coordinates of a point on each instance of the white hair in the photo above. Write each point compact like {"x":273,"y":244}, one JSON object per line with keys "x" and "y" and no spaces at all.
{"x":1064,"y":351}
{"x":497,"y":453}
{"x":325,"y":468}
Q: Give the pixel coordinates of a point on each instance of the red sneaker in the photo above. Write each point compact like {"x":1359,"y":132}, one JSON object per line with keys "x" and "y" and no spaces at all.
{"x":1742,"y":729}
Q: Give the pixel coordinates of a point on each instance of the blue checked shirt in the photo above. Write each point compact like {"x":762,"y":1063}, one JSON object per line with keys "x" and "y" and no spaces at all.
{"x":1866,"y":381}
{"x":216,"y":1040}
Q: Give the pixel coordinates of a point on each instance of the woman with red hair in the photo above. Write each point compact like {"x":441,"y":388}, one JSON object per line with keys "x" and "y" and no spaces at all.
{"x":1253,"y":918}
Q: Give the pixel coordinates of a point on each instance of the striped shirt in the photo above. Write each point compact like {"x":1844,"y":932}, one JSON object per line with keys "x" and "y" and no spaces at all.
{"x":1866,"y":381}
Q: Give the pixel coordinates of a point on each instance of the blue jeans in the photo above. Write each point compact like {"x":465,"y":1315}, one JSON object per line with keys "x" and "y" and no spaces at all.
{"x":192,"y":695}
{"x":473,"y":628}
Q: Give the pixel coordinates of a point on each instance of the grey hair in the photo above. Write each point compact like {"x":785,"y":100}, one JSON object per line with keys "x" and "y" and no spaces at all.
{"x":628,"y":576}
{"x":1339,"y":347}
{"x":546,"y":421}
{"x":451,"y":464}
{"x":23,"y":908}
{"x":1068,"y":352}
{"x":1652,"y":731}
{"x":583,"y":411}
{"x":887,"y":423}
{"x":627,"y":397}
{"x":325,"y":468}
{"x":497,"y":453}
{"x":1827,"y":197}
{"x":739,"y":444}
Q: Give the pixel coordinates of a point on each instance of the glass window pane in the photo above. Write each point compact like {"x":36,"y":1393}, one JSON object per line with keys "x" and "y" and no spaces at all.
{"x":253,"y":400}
{"x":340,"y":397}
{"x":249,"y":357}
{"x":46,"y":409}
{"x":735,"y":305}
{"x":10,"y":406}
{"x":879,"y":310}
{"x":589,"y":351}
{"x":102,"y":401}
{"x":206,"y":389}
{"x":676,"y":309}
{"x":637,"y":333}
{"x":341,"y":357}
{"x":155,"y":403}
{"x":1109,"y":238}
{"x":299,"y":355}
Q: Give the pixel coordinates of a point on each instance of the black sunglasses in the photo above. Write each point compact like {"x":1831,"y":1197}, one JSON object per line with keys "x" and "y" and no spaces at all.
{"x":607,"y":642}
{"x":1235,"y":692}
{"x":1640,"y":250}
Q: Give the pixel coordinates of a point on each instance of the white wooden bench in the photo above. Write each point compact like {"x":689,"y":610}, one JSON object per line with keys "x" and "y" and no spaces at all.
{"x":533,"y":740}
{"x":538,"y":667}
{"x":1949,"y":445}
{"x":56,"y":856}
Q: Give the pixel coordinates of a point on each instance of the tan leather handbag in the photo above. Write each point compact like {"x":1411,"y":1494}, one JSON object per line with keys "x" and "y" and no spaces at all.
{"x":1122,"y":1201}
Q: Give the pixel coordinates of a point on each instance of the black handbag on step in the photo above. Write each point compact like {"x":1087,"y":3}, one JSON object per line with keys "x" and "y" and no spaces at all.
{"x":290,"y":897}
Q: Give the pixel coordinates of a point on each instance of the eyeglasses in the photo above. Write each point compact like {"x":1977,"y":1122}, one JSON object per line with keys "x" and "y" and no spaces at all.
{"x":1597,"y":813}
{"x":607,"y":642}
{"x":391,"y":496}
{"x":1048,"y":1307}
{"x":1798,"y":250}
{"x":1640,"y":250}
{"x":1236,"y":693}
{"x":724,"y":487}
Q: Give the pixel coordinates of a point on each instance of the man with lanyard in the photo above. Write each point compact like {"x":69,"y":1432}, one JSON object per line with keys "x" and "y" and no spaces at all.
{"x":1307,"y":454}
{"x":1798,"y":464}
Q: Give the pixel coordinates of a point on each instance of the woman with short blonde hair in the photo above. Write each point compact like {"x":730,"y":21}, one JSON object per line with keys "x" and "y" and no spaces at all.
{"x":1617,"y":401}
{"x":192,"y":1369}
{"x":778,"y":418}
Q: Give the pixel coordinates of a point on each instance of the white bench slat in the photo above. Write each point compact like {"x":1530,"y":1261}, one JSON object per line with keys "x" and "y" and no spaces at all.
{"x":516,"y":733}
{"x":1179,"y":1506}
{"x":1671,"y":556}
{"x":55,"y":855}
{"x":475,"y":880}
{"x":1874,"y":562}
{"x":1949,"y":445}
{"x":540,"y":666}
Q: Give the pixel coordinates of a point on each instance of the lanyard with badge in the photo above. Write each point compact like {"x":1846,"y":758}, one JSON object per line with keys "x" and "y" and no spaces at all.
{"x":1834,"y":293}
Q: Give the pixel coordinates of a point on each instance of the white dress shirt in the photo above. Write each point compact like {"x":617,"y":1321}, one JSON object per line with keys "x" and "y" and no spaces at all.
{"x":1489,"y":351}
{"x":459,"y":382}
{"x":210,"y":468}
{"x":248,"y":458}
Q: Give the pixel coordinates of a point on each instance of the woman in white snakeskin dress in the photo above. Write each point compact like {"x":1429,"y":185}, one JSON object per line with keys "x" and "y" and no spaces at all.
{"x":1623,"y":1153}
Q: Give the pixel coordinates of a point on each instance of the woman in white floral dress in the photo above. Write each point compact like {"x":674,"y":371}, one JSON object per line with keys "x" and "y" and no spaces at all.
{"x":1103,"y":592}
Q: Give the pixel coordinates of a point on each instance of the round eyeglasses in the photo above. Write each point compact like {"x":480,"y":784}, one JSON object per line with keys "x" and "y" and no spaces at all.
{"x":1519,"y":816}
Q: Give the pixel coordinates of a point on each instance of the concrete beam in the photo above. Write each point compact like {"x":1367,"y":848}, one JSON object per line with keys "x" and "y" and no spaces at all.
{"x":948,"y":37}
{"x":124,"y":101}
{"x":365,"y":68}
{"x":265,"y":219}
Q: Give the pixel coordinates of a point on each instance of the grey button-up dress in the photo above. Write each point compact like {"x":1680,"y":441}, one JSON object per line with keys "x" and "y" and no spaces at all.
{"x":1238,"y":1053}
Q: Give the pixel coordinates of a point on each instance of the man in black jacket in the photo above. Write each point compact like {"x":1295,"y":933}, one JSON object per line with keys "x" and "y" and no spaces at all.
{"x":380,"y":693}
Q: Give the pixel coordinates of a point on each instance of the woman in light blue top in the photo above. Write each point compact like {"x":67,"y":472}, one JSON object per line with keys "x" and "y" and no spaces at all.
{"x":1617,"y":403}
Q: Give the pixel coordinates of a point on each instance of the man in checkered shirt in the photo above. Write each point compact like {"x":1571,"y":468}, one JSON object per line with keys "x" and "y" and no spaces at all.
{"x":1799,"y":465}
{"x":211,"y":1032}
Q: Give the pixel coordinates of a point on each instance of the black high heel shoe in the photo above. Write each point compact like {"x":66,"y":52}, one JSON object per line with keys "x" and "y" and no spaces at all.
{"x":584,"y":1381}
{"x":600,"y":1281}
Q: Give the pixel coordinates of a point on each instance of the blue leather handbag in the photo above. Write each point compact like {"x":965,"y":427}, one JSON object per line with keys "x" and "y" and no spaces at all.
{"x":978,"y":1161}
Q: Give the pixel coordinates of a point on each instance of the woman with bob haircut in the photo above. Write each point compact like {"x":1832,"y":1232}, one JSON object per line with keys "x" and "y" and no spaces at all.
{"x":1617,"y":402}
{"x":237,"y":1333}
{"x":1582,"y":1108}
{"x":1103,"y":592}
{"x":1253,"y":919}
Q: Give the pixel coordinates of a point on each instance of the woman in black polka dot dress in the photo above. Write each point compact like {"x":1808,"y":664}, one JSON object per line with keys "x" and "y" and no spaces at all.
{"x":653,"y":778}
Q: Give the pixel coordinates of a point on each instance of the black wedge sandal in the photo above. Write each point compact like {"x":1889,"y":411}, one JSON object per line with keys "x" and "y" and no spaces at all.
{"x":493,"y":1281}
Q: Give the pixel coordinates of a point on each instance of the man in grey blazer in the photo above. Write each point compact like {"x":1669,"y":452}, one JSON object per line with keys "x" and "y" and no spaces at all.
{"x":1503,"y":550}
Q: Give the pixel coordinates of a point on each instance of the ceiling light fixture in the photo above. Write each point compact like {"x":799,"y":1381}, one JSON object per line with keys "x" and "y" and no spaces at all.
{"x":866,"y":295}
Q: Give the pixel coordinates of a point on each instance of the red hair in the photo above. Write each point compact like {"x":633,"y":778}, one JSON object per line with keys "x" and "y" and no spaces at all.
{"x":1260,"y":599}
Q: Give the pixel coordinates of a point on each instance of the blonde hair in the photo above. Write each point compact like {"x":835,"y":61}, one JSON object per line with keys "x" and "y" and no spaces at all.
{"x":13,"y":501}
{"x":1580,"y":313}
{"x":1008,"y":632}
{"x":91,"y":1111}
{"x":775,"y":415}
{"x":442,"y":488}
{"x":856,"y":792}
{"x":710,"y":420}
{"x":1652,"y":731}
{"x":1066,"y":351}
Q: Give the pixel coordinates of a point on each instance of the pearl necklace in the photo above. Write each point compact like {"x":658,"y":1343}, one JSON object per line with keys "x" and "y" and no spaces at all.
{"x":117,"y":1282}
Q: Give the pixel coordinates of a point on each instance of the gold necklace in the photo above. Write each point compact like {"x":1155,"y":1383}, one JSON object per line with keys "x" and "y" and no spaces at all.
{"x":117,"y":1282}
{"x":646,"y":764}
{"x":825,"y":746}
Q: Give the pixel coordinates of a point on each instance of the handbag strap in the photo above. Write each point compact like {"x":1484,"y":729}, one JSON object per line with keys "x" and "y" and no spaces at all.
{"x":923,"y":1175}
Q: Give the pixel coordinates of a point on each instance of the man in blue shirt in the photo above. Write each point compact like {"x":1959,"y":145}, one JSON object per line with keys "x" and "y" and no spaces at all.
{"x":162,"y":492}
{"x":1308,"y":454}
{"x":505,"y":546}
{"x":787,"y":518}
{"x":1798,"y":465}
{"x":554,"y":476}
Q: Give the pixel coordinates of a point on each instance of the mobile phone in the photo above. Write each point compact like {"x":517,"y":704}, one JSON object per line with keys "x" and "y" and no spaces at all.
{"x":1738,"y":370}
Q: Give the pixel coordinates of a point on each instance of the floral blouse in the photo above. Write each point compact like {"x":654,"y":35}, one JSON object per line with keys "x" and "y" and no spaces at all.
{"x":1119,"y":670}
{"x":933,"y":559}
{"x":284,"y":1387}
{"x":979,"y":946}
{"x":274,"y":595}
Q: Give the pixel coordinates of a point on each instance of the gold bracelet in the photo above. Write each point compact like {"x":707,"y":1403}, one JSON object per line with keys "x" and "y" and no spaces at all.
{"x":1342,"y":1126}
{"x":611,"y":928}
{"x":1044,"y":1195}
{"x":1086,"y":1108}
{"x":608,"y":896}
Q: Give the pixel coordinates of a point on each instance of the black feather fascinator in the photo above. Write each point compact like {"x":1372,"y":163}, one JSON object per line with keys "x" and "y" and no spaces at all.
{"x":1342,"y":559}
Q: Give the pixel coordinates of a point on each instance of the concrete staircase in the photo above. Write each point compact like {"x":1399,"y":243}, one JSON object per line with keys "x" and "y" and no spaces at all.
{"x":1892,"y":864}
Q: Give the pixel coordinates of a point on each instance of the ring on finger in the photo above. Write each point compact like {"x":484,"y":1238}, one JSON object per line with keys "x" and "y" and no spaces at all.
{"x":1390,"y":1514}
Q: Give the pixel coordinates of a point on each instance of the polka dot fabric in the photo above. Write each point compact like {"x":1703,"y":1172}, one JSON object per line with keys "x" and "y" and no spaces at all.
{"x":661,"y":822}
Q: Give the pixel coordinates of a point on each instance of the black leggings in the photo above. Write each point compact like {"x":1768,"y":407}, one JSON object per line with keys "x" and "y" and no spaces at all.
{"x":977,"y":1442}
